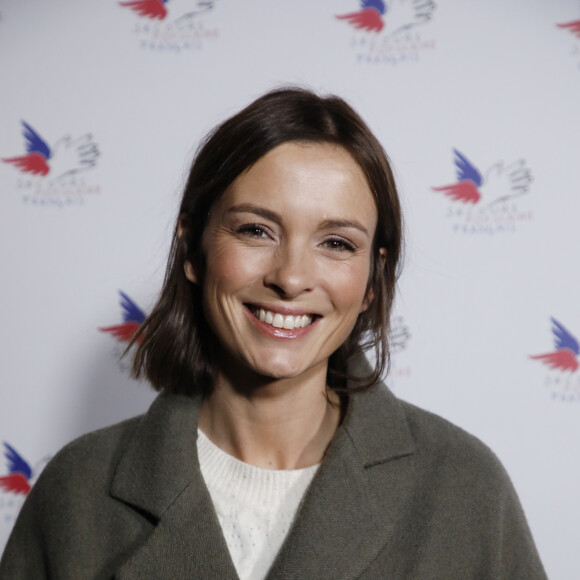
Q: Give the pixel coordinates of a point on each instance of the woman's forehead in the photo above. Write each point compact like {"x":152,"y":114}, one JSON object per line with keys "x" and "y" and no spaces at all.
{"x":301,"y":163}
{"x":317,"y":177}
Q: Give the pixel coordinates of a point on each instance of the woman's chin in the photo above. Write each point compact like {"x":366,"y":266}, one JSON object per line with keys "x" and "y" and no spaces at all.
{"x":265,"y":367}
{"x":286,"y":369}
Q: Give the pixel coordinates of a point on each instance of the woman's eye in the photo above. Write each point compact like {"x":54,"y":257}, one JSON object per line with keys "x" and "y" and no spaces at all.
{"x":339,"y":245}
{"x":253,"y":231}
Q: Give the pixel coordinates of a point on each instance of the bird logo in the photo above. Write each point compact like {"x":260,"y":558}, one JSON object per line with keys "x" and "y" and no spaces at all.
{"x":66,"y":157}
{"x":19,"y":476}
{"x":573,"y":27}
{"x":154,"y":9}
{"x":133,"y":317}
{"x":157,"y":9}
{"x":501,"y":182}
{"x":369,"y":17}
{"x":566,"y":350}
{"x":389,"y":16}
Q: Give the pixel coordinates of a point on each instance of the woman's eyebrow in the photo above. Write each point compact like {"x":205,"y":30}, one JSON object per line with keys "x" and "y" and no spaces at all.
{"x":257,"y":210}
{"x":338,"y":223}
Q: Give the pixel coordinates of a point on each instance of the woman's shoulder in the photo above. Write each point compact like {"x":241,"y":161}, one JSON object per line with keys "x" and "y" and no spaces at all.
{"x":435,"y":444}
{"x":434,"y":432}
{"x":450,"y":496}
{"x":91,"y":460}
{"x":88,"y":461}
{"x":384,"y":426}
{"x":72,"y":495}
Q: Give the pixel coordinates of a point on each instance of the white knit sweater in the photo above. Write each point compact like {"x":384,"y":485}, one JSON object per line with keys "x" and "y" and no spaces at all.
{"x":255,"y":506}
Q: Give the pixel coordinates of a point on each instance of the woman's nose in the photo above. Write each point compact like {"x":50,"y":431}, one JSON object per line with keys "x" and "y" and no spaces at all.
{"x":292,"y":272}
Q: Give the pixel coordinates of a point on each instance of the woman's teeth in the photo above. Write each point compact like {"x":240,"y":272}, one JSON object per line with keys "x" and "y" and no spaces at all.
{"x":287,"y":322}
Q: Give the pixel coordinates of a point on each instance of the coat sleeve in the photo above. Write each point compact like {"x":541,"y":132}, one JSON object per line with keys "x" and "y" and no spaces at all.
{"x":516,"y":553}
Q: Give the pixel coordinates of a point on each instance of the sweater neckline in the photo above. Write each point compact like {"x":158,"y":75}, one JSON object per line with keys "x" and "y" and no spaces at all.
{"x":249,"y":484}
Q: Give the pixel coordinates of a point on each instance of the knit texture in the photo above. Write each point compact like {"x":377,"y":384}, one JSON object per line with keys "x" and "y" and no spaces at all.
{"x":255,"y":506}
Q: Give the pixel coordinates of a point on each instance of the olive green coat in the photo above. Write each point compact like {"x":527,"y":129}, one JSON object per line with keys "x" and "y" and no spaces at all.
{"x":401,"y":493}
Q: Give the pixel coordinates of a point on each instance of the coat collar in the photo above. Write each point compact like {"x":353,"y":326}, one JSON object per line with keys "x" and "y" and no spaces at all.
{"x":342,"y":526}
{"x":337,"y":531}
{"x":160,"y":461}
{"x":376,"y":423}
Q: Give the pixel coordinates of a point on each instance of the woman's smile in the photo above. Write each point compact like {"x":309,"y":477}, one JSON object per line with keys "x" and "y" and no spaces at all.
{"x":279,"y":323}
{"x":281,"y":318}
{"x":287,"y":251}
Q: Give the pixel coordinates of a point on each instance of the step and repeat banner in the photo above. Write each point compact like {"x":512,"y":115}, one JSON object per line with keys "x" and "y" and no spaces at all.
{"x":477,"y":103}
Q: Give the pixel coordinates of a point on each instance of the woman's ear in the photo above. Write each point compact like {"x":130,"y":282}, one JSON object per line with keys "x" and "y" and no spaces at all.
{"x":370,"y":295}
{"x":367,"y":301}
{"x":383,"y":256}
{"x":182,"y":225}
{"x":189,"y":272}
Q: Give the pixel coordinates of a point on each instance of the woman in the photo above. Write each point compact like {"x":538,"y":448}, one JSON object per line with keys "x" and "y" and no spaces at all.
{"x":272,"y":450}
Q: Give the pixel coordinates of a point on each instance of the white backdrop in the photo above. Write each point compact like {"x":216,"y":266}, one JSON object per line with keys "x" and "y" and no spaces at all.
{"x":118,"y":102}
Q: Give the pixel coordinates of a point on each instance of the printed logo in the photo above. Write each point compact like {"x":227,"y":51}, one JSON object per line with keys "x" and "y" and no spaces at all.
{"x":399,"y":337}
{"x":562,"y":381}
{"x":52,"y":175}
{"x":573,"y":27}
{"x":171,"y":25}
{"x":389,"y":31}
{"x":486,"y":204}
{"x":133,"y":317}
{"x":15,"y":486}
{"x":19,"y":473}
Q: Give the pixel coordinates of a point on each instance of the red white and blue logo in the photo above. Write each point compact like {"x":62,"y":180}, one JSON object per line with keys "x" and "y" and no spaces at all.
{"x":369,"y":17}
{"x":19,"y":472}
{"x":171,"y":25}
{"x":53,"y":174}
{"x":21,"y":476}
{"x":564,"y":357}
{"x":562,"y":360}
{"x":65,"y":157}
{"x":486,"y":202}
{"x":389,"y":31}
{"x":124,"y":332}
{"x":133,"y":317}
{"x":573,"y":28}
{"x":17,"y":483}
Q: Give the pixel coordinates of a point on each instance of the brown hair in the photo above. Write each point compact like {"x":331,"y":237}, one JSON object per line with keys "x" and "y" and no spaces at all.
{"x":174,"y":352}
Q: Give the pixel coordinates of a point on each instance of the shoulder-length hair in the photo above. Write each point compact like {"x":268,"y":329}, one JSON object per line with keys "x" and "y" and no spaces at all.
{"x":173,"y":344}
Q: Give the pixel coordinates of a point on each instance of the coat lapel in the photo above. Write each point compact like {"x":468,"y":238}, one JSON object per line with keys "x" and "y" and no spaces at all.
{"x":343,"y":523}
{"x":159,"y":476}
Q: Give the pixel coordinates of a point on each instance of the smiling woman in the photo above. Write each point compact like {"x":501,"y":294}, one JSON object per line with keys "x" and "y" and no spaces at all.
{"x":273,"y":449}
{"x":289,"y":145}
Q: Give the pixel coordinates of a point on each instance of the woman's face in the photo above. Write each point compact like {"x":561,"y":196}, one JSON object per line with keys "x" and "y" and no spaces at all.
{"x":287,"y":251}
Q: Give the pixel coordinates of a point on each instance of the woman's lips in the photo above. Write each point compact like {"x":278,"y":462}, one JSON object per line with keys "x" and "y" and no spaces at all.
{"x":281,"y":321}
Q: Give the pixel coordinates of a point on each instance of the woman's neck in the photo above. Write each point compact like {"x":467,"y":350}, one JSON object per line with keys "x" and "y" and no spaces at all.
{"x":280,"y":424}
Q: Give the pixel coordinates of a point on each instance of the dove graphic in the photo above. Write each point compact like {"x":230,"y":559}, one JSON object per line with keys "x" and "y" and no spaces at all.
{"x":66,"y":157}
{"x":501,"y":182}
